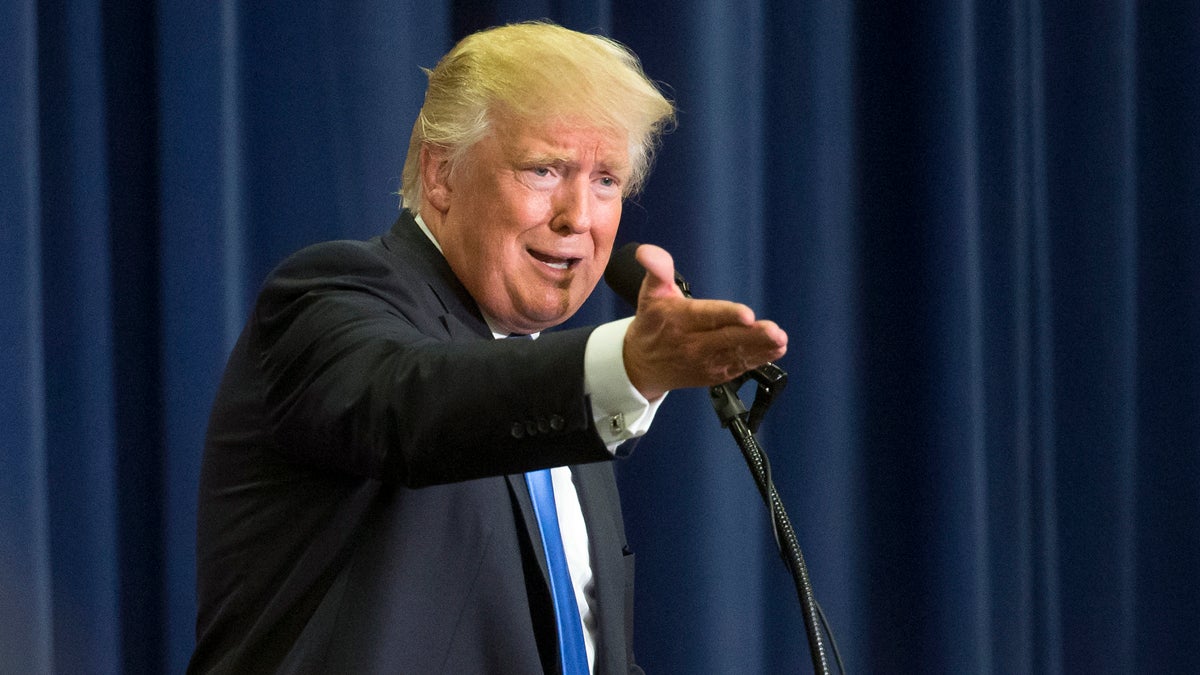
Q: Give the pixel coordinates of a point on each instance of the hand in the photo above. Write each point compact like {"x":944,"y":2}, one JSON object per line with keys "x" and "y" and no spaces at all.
{"x":676,"y":342}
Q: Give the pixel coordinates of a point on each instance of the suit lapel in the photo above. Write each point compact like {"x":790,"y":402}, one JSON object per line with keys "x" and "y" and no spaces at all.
{"x":597,"y":491}
{"x":446,"y":297}
{"x":520,"y":494}
{"x":460,"y":317}
{"x":458,"y":329}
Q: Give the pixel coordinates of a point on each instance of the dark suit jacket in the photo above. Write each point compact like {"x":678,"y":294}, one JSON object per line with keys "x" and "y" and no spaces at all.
{"x":362,"y":507}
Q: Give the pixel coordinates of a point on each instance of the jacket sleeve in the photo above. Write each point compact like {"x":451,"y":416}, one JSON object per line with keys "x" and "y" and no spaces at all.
{"x":359,"y":376}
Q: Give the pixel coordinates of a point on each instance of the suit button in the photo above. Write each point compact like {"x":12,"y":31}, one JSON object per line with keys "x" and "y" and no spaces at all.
{"x":531,"y":428}
{"x":543,"y":425}
{"x":517,"y":430}
{"x":557,"y":423}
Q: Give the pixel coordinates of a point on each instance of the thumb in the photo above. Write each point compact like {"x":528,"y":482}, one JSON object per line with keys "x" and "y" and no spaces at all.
{"x":660,"y":273}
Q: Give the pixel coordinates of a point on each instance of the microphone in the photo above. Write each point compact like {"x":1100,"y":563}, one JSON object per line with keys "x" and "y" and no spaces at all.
{"x":624,"y":274}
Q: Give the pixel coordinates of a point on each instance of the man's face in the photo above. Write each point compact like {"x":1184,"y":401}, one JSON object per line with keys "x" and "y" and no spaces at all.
{"x":527,"y":219}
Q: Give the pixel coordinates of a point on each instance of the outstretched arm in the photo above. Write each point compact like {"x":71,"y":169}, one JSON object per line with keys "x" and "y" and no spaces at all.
{"x":676,"y":342}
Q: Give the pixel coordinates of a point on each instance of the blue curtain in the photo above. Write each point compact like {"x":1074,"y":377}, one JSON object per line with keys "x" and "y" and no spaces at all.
{"x":979,"y":223}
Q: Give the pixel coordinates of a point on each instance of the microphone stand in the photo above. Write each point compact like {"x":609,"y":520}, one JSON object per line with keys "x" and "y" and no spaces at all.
{"x":742,"y":424}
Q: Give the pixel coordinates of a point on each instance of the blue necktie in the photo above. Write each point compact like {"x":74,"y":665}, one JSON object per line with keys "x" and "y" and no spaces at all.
{"x":570,"y":631}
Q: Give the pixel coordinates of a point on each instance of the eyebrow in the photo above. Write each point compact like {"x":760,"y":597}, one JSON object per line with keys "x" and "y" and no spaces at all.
{"x":563,"y":159}
{"x":547,"y":158}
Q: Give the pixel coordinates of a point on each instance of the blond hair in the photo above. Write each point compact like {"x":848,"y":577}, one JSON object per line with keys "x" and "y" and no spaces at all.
{"x":535,"y":72}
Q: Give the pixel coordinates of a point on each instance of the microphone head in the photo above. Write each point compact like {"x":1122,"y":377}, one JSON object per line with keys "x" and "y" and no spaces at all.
{"x":624,"y":273}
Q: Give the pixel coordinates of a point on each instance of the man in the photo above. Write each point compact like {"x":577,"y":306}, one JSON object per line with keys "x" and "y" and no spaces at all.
{"x":363,"y":500}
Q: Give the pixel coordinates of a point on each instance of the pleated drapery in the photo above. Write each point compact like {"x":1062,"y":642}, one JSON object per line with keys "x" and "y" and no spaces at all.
{"x":978,"y":222}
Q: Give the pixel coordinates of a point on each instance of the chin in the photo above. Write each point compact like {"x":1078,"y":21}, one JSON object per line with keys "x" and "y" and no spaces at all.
{"x":550,"y":317}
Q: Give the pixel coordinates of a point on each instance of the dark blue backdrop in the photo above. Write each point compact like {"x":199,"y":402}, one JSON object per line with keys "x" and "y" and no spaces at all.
{"x":979,"y":223}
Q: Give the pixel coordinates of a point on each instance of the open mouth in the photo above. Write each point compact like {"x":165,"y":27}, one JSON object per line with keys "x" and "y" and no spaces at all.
{"x":554,"y":262}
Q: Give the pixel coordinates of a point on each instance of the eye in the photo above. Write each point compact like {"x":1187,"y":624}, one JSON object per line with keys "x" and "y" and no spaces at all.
{"x":540,"y":177}
{"x":609,"y":186}
{"x":542,"y":170}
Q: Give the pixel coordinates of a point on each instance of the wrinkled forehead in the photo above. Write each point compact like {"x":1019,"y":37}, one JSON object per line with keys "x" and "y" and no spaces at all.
{"x":564,"y":139}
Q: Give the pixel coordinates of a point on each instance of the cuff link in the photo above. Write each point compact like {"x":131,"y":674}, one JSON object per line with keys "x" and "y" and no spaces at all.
{"x":616,"y":424}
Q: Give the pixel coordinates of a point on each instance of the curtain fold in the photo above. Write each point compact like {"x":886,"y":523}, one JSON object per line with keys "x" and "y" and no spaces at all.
{"x":25,"y":582}
{"x":978,"y":222}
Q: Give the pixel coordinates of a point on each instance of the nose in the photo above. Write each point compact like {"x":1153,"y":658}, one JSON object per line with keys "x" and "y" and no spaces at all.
{"x":573,"y":207}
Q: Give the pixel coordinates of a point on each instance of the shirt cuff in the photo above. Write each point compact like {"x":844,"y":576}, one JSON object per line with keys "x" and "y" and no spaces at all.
{"x":619,"y":409}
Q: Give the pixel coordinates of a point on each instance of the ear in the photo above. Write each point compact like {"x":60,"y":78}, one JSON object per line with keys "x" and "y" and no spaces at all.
{"x":435,"y":177}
